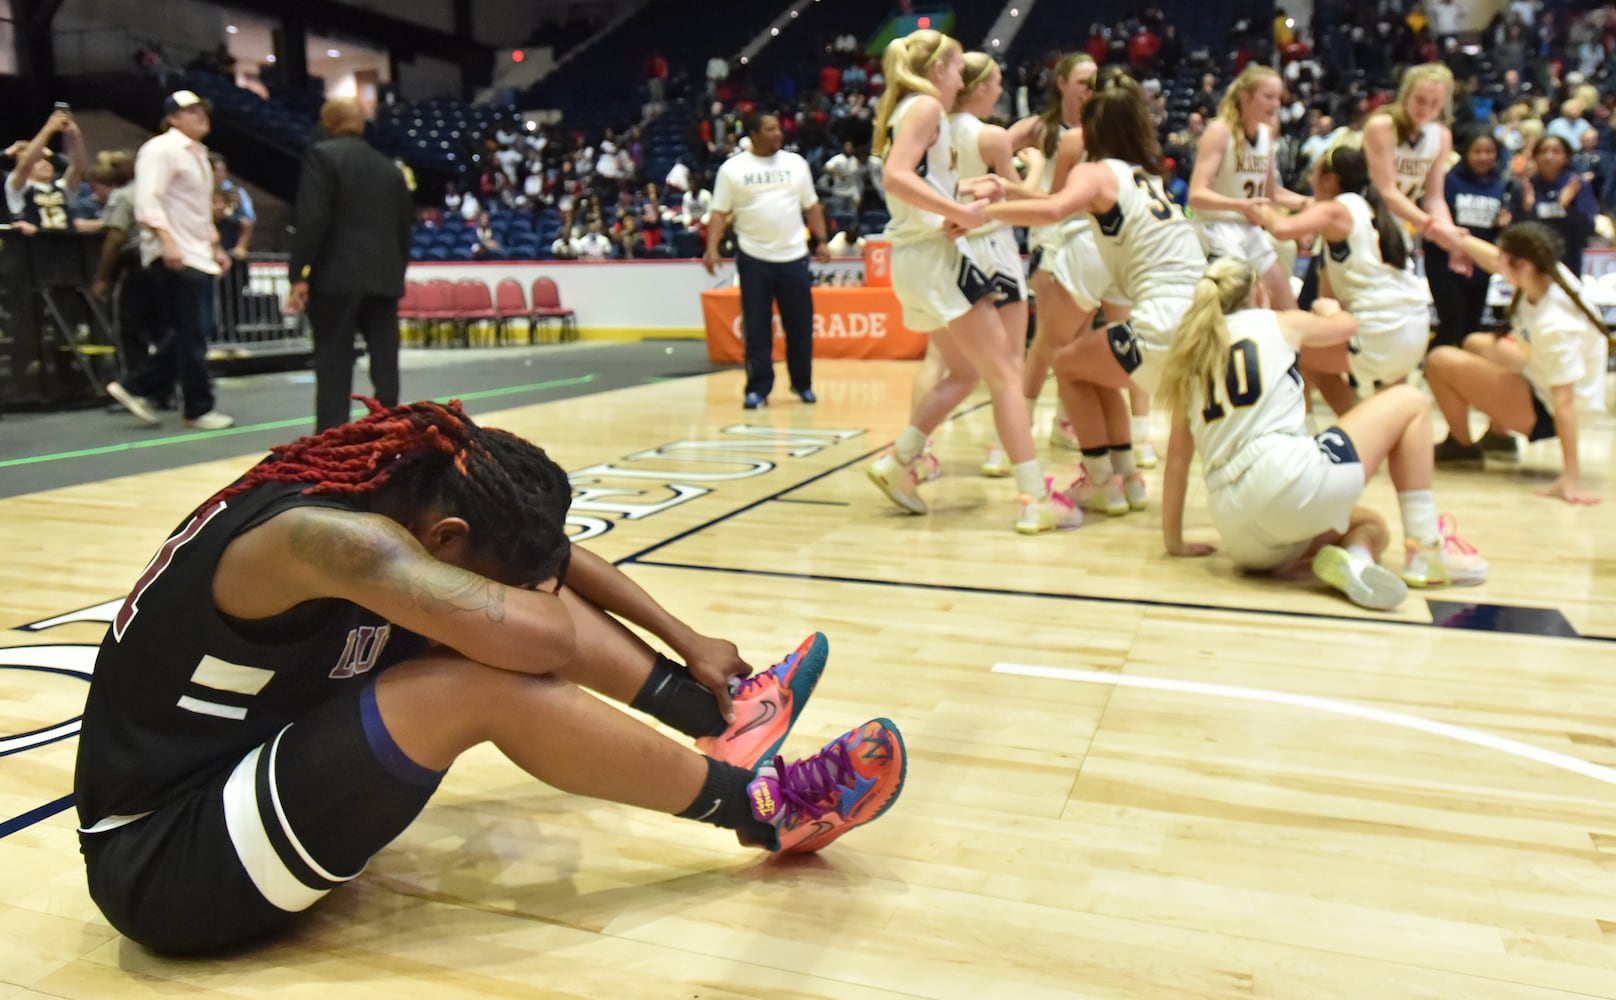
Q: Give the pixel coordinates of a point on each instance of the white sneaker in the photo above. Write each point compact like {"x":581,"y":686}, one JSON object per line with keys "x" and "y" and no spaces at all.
{"x":928,"y":466}
{"x":1051,"y":512}
{"x":1110,"y":499}
{"x":997,"y":464}
{"x":212,"y":420}
{"x":1451,"y":562}
{"x":1144,"y":454}
{"x":1063,"y":436}
{"x":1133,"y":487}
{"x":1373,"y":586}
{"x":134,"y":404}
{"x":899,"y":482}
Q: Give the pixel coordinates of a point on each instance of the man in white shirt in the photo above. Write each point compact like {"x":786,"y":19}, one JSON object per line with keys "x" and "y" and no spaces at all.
{"x":767,"y":191}
{"x":179,"y":247}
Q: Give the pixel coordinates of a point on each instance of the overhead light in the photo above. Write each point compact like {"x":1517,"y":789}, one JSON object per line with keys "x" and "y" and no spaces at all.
{"x":793,"y":15}
{"x":333,"y":53}
{"x":1015,"y":12}
{"x":774,"y":32}
{"x":995,"y":43}
{"x":270,"y":58}
{"x":743,"y":60}
{"x":230,"y":29}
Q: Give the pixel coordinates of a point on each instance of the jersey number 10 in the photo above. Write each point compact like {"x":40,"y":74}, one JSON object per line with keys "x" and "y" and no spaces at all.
{"x":1242,"y":380}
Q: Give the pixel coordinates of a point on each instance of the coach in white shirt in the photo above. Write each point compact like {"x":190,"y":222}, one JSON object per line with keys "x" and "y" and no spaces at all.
{"x":768,"y":191}
{"x":179,"y":247}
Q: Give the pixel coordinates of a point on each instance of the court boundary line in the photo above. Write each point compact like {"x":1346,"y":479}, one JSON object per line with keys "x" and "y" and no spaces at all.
{"x":1142,"y":602}
{"x":1318,"y":703}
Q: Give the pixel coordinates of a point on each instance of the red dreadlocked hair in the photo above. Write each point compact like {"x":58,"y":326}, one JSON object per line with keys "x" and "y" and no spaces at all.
{"x":515,"y":497}
{"x":360,"y":456}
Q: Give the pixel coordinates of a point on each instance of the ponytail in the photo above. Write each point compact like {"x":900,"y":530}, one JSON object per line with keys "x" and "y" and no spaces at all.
{"x":904,"y":64}
{"x":1200,"y":351}
{"x":1351,"y":168}
{"x":1542,"y":247}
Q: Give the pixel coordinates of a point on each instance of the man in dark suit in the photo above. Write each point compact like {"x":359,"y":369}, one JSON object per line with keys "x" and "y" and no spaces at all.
{"x":352,"y":245}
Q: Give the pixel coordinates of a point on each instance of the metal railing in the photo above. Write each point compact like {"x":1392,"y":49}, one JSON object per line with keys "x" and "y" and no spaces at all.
{"x":248,"y":301}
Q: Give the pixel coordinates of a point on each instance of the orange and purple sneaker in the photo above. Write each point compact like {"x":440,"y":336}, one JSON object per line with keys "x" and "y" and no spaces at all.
{"x":767,"y":705}
{"x":852,"y":781}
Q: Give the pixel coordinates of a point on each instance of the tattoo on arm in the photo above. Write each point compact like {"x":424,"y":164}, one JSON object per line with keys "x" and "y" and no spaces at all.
{"x":383,"y":554}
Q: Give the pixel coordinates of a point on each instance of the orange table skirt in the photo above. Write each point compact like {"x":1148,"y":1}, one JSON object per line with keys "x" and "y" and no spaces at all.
{"x":848,"y":323}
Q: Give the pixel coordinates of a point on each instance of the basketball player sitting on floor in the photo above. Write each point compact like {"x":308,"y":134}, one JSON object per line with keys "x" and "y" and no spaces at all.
{"x":1278,"y":495}
{"x":304,"y":658}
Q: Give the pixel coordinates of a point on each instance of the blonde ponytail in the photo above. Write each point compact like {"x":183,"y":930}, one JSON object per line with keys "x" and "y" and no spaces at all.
{"x":1200,"y":351}
{"x":904,"y":64}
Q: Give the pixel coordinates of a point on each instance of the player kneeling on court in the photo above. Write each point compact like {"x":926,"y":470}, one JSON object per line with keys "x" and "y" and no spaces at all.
{"x":1279,"y":495}
{"x":300,"y":663}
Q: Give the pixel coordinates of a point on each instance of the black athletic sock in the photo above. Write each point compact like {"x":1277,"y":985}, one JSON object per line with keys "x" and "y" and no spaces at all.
{"x":723,"y":801}
{"x":672,"y":697}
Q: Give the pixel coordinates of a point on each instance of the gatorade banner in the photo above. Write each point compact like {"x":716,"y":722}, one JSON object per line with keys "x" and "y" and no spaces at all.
{"x":848,"y":323}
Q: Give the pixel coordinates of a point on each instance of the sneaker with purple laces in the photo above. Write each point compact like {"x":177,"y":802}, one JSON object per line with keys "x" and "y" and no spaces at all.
{"x":767,"y":705}
{"x":852,"y":781}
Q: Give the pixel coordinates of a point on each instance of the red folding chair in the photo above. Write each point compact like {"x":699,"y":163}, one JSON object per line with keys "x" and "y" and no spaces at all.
{"x":547,"y":306}
{"x":510,"y":302}
{"x":472,"y":302}
{"x":438,"y":304}
{"x":409,"y":310}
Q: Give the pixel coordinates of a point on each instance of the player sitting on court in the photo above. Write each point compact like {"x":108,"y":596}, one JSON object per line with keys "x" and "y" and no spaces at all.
{"x":300,"y":663}
{"x":1279,"y":495}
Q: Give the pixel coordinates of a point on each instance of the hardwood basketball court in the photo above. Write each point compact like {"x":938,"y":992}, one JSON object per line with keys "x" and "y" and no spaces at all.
{"x":1130,"y":776}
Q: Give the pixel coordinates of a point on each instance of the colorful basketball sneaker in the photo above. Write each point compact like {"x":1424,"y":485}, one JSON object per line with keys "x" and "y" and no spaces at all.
{"x":767,"y":705}
{"x":853,"y":780}
{"x":1370,"y":585}
{"x":997,"y":464}
{"x":928,"y":466}
{"x":1110,"y":499}
{"x":898,"y":481}
{"x":1450,"y":562}
{"x":1063,"y":435}
{"x":1051,"y":512}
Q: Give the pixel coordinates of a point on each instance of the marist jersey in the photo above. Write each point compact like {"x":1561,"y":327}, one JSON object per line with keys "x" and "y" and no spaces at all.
{"x":1259,"y":393}
{"x":1366,"y":285}
{"x":180,"y":691}
{"x":1413,"y":160}
{"x":1243,"y":173}
{"x":966,"y":129}
{"x":1147,"y":244}
{"x":937,"y":168}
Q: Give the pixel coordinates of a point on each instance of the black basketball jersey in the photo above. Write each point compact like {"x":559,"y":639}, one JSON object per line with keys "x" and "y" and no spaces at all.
{"x":180,"y":691}
{"x":45,"y":205}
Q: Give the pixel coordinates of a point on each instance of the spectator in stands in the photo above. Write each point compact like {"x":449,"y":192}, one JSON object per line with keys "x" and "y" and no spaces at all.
{"x":242,"y":209}
{"x":1570,"y":125}
{"x":1594,"y":167}
{"x":594,"y":244}
{"x":349,"y":254}
{"x":35,"y":196}
{"x":1478,"y":200}
{"x":484,"y":245}
{"x":179,"y":247}
{"x":1555,"y":196}
{"x":656,"y":77}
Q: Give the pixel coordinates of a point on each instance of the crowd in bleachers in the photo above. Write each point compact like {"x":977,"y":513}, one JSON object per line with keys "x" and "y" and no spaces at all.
{"x":635,"y":190}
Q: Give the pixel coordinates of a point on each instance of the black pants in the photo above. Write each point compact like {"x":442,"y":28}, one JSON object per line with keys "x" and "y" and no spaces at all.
{"x":137,"y":300}
{"x":764,"y":284}
{"x":1460,"y":302}
{"x":186,"y":299}
{"x":335,"y":318}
